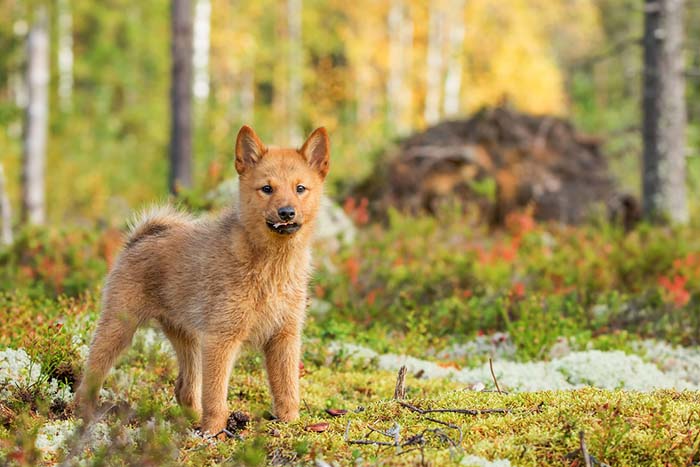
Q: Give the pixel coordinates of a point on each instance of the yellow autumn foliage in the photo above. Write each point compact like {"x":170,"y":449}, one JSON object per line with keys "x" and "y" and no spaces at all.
{"x":512,"y":54}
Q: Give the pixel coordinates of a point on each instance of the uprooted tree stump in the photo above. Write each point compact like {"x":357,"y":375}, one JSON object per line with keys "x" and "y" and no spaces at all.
{"x":540,"y":162}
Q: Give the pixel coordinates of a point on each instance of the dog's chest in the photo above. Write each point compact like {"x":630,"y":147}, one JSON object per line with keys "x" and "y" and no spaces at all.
{"x":271,"y":301}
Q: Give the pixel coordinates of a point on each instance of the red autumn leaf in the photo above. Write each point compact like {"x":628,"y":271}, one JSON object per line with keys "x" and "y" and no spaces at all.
{"x":449,"y":365}
{"x":675,"y":289}
{"x":518,"y":290}
{"x":302,"y":370}
{"x":318,"y":427}
{"x":336,"y":412}
{"x":371,"y":297}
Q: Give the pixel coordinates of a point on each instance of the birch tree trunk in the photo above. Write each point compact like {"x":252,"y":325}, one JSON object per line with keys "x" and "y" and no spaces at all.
{"x":434,"y":64}
{"x":5,"y":212}
{"x":181,"y":96}
{"x":65,"y":54}
{"x":36,"y":120}
{"x":453,"y":76}
{"x":295,"y":69}
{"x":248,"y":95}
{"x":201,"y":43}
{"x":399,"y":96}
{"x":664,"y":122}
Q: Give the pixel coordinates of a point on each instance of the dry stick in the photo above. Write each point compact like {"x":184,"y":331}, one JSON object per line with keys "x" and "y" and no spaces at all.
{"x":364,"y":441}
{"x":222,"y":432}
{"x":400,"y":389}
{"x":369,"y":441}
{"x":467,"y":411}
{"x":372,"y":429}
{"x":493,"y":375}
{"x":584,"y":450}
{"x":462,"y":411}
{"x":393,"y":433}
{"x":435,"y":420}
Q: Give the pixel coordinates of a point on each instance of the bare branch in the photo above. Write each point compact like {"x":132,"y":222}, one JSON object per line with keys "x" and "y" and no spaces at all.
{"x":493,"y":375}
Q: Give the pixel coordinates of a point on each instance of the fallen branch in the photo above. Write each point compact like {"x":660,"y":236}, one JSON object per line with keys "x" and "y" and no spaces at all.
{"x":368,"y":441}
{"x":222,"y":432}
{"x":435,"y":420}
{"x":462,"y":411}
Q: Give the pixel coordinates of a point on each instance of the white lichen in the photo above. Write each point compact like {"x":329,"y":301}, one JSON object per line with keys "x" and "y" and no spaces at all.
{"x":16,"y":369}
{"x":53,"y":435}
{"x":605,"y":370}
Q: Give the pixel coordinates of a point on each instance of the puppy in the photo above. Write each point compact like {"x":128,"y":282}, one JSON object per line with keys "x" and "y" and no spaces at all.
{"x":217,"y":284}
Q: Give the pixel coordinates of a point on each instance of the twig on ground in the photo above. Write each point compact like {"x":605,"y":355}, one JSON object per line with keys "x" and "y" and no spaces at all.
{"x":367,"y":441}
{"x":584,"y":450}
{"x":222,"y":432}
{"x":441,"y":422}
{"x":462,"y":411}
{"x":393,"y":432}
{"x":400,"y":389}
{"x":493,"y":375}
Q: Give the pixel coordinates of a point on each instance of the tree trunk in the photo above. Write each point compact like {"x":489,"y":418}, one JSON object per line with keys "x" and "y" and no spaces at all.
{"x":5,"y":212}
{"x":433,"y":69}
{"x":247,"y":94}
{"x":181,"y":96}
{"x":453,"y":76}
{"x":65,"y":54}
{"x":36,"y":120}
{"x":663,"y":185}
{"x":399,"y":95}
{"x":201,"y":42}
{"x":295,"y":69}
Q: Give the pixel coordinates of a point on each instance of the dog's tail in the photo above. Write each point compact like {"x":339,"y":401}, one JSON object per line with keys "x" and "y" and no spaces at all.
{"x":154,"y":221}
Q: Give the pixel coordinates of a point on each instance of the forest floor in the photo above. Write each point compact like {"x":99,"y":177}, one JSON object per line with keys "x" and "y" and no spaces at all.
{"x":513,"y":356}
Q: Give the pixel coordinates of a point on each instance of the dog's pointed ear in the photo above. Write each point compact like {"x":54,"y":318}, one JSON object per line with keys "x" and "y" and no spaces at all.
{"x":249,"y":149}
{"x":316,"y":151}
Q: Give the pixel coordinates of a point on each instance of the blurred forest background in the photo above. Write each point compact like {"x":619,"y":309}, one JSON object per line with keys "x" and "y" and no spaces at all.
{"x":370,"y":71}
{"x":537,"y":112}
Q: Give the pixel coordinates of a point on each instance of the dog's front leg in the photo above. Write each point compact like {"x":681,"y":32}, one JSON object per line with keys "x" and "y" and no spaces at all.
{"x":218,"y":356}
{"x":282,"y":362}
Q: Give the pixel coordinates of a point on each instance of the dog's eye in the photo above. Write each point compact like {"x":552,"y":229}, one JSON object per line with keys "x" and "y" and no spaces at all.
{"x":301,"y":189}
{"x":267,"y":189}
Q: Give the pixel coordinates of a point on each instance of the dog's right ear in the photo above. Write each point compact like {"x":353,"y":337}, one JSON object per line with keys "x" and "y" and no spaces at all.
{"x":249,"y":149}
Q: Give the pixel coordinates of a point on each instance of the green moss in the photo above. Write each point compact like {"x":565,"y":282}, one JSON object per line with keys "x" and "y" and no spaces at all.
{"x":621,"y":428}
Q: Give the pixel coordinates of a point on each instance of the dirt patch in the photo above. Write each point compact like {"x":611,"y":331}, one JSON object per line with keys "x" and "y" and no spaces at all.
{"x":499,"y":160}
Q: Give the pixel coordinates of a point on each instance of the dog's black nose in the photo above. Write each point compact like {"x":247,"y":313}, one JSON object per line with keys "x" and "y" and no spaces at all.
{"x":286,"y":213}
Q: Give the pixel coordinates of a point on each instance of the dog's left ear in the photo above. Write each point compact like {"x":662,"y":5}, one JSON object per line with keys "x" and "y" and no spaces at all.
{"x":316,"y":151}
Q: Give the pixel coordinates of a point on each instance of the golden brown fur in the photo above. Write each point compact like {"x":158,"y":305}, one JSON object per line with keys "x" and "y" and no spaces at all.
{"x":217,"y":284}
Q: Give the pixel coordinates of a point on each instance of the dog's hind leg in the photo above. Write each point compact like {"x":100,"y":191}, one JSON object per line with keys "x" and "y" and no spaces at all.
{"x":115,"y":330}
{"x":188,"y":386}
